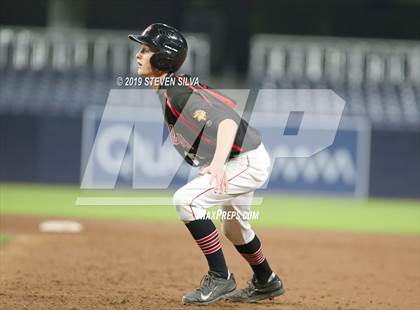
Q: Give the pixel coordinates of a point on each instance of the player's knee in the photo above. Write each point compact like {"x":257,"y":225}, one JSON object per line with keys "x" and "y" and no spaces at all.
{"x":181,"y":198}
{"x":184,"y":213}
{"x":182,"y":205}
{"x":232,"y":235}
{"x":227,"y":230}
{"x":236,"y":234}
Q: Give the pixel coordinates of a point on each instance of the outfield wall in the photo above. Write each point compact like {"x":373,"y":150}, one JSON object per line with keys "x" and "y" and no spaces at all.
{"x":48,"y":149}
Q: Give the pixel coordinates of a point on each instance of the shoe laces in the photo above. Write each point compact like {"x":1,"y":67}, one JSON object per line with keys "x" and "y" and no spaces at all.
{"x":250,"y":288}
{"x":206,"y":283}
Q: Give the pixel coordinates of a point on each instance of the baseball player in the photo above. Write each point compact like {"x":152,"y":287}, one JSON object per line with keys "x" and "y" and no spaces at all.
{"x":208,"y":133}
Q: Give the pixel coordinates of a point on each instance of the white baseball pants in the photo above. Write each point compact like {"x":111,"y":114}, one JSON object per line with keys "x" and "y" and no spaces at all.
{"x":245,"y":173}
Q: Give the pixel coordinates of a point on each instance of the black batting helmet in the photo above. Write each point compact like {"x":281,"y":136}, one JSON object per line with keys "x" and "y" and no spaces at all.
{"x":171,"y":46}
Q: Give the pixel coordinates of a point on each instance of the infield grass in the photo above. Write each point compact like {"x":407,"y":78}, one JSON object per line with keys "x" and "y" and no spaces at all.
{"x":3,"y":239}
{"x":277,"y":211}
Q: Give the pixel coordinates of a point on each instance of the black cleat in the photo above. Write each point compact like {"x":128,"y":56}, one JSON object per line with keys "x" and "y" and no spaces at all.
{"x":255,"y":291}
{"x":212,"y":288}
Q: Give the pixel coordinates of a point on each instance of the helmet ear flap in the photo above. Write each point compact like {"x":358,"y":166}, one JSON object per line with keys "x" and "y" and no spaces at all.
{"x":161,"y":61}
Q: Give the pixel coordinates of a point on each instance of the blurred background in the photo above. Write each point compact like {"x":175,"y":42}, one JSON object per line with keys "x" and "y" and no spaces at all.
{"x":60,"y":58}
{"x":341,"y":227}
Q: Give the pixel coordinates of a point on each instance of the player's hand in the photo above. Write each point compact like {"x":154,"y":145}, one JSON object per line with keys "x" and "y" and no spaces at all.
{"x":217,"y":177}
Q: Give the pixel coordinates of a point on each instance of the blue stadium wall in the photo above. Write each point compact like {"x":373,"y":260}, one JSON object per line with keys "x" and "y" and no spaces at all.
{"x":47,"y":149}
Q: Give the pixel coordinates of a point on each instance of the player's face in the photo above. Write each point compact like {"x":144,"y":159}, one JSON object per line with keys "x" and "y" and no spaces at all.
{"x":143,"y":61}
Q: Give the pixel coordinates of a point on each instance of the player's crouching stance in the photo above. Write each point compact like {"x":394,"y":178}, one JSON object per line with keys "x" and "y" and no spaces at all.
{"x":207,"y":132}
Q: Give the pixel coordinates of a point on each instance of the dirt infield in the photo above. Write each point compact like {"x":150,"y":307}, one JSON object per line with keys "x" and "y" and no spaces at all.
{"x":138,"y":265}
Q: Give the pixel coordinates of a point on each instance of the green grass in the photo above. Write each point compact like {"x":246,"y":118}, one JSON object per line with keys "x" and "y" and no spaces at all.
{"x":317,"y":213}
{"x":3,"y":239}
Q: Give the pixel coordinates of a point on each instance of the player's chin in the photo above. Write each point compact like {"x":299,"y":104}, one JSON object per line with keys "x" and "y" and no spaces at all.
{"x":144,"y":72}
